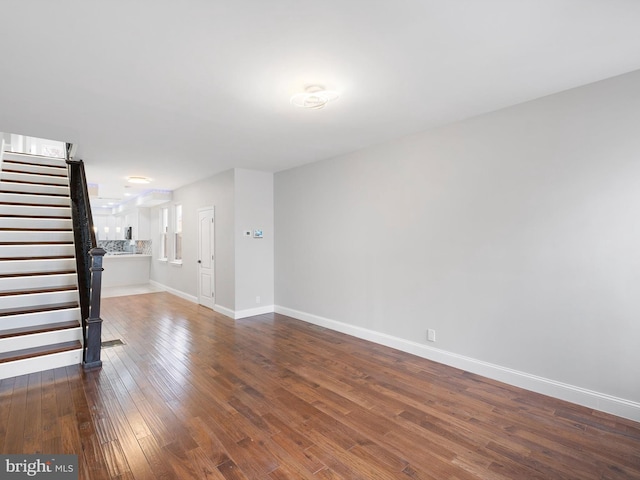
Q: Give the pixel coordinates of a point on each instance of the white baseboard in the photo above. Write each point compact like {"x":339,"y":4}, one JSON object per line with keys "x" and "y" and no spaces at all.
{"x":238,"y":314}
{"x":235,"y":314}
{"x":252,"y":312}
{"x":224,"y":311}
{"x":173,"y":291}
{"x":578,"y":395}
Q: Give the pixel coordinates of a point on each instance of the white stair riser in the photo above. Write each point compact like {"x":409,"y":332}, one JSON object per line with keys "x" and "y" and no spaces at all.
{"x":34,"y":199}
{"x":28,"y":177}
{"x":27,"y":188}
{"x":36,"y":223}
{"x":10,"y":251}
{"x":38,"y":281}
{"x":33,"y":168}
{"x":48,"y":186}
{"x":39,"y":364}
{"x":23,"y":157}
{"x":17,"y":236}
{"x":40,"y":318}
{"x":8,"y":267}
{"x":38,"y":299}
{"x":40,"y":339}
{"x":30,"y":211}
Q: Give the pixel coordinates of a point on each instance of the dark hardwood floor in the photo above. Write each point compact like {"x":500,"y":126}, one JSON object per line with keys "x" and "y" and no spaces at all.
{"x":193,"y":394}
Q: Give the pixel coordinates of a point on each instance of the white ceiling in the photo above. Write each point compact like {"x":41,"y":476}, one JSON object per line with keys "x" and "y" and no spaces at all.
{"x":179,"y":91}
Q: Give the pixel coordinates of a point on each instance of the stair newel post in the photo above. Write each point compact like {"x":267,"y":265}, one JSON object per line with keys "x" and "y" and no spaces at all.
{"x":94,"y":322}
{"x":88,"y":262}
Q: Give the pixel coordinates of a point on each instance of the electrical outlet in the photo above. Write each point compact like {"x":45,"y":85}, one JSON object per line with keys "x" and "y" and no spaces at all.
{"x":257,"y":299}
{"x":431,"y":335}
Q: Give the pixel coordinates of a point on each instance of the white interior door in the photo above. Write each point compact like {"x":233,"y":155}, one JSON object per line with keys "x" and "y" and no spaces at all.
{"x":206,"y":270}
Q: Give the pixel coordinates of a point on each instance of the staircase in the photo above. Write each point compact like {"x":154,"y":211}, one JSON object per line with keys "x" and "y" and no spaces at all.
{"x":40,"y":320}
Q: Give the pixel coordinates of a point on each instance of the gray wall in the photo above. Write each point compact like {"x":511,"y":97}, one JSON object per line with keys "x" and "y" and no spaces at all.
{"x":215,"y":191}
{"x":254,"y":257}
{"x":243,"y":199}
{"x":515,"y":235}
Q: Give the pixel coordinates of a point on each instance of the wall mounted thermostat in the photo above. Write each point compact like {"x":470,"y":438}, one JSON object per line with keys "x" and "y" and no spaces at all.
{"x":257,"y":234}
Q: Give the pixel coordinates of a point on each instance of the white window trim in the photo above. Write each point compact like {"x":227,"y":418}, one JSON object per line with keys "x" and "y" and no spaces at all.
{"x":163,"y":256}
{"x":174,"y":234}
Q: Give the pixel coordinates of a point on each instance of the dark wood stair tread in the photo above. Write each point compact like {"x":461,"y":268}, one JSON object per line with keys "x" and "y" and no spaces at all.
{"x":39,"y":351}
{"x":32,"y":155}
{"x":35,"y":242}
{"x":42,"y":194}
{"x":39,"y":217}
{"x":37,"y":274}
{"x":42,"y":174}
{"x":25,"y":182}
{"x":21,"y":204}
{"x":26,"y":229}
{"x":49,"y":327}
{"x":25,"y":204}
{"x":42,"y":308}
{"x":31,"y":291}
{"x":18,"y":162}
{"x":44,"y":257}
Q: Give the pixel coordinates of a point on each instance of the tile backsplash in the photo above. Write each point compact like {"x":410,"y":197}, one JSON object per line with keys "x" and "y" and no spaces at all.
{"x":142,"y":247}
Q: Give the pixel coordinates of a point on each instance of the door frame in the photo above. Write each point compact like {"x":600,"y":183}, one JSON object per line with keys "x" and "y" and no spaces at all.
{"x":212,"y":209}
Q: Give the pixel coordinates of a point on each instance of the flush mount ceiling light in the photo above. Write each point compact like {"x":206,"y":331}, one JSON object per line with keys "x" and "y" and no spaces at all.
{"x":314,"y":97}
{"x":138,"y":180}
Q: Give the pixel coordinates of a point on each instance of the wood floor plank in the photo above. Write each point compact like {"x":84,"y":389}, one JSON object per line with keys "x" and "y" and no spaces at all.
{"x":86,"y":432}
{"x":112,"y":424}
{"x":203,"y":465}
{"x":194,"y":394}
{"x":63,"y":392}
{"x":230,"y":471}
{"x":157,"y":460}
{"x":33,"y":426}
{"x":14,"y":437}
{"x":49,"y":406}
{"x":115,"y":459}
{"x":6,"y":393}
{"x":295,"y":444}
{"x":121,"y":404}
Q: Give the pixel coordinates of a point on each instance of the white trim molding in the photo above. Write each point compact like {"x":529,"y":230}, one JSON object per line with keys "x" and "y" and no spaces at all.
{"x":238,"y":314}
{"x":235,"y":314}
{"x":252,"y":312}
{"x":224,"y":311}
{"x":578,"y":395}
{"x":177,"y":293}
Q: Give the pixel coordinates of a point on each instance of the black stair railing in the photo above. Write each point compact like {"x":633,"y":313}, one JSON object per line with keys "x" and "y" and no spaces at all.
{"x":89,"y":264}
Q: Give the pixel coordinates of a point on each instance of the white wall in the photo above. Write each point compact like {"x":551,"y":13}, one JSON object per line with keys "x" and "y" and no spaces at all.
{"x":243,"y":199}
{"x":254,"y":256}
{"x":515,"y":235}
{"x":215,"y":191}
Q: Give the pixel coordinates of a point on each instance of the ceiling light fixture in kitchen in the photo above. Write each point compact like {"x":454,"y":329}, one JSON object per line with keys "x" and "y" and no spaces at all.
{"x":138,"y":180}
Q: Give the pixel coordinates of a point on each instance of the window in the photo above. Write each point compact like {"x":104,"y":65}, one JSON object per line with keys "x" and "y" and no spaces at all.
{"x":164,"y":232}
{"x":177,"y":236}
